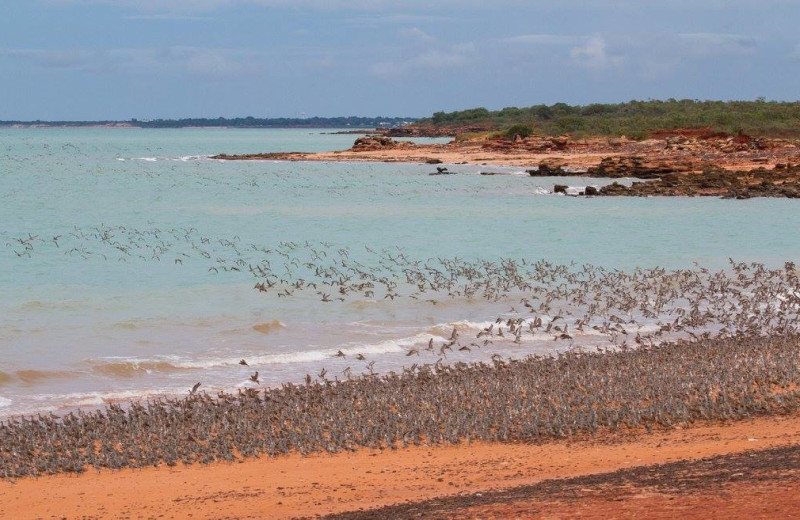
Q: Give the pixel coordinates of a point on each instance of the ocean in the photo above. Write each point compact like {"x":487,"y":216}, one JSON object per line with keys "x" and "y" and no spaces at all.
{"x":128,"y":259}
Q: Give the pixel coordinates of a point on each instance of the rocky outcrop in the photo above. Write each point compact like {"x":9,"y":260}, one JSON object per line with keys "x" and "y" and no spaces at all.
{"x":575,"y":191}
{"x":430,"y":131}
{"x":272,"y":156}
{"x":559,"y":143}
{"x":615,"y":168}
{"x":547,"y":169}
{"x":698,"y":139}
{"x":372,"y":143}
{"x":781,"y":182}
{"x":531,"y":144}
{"x":638,"y":167}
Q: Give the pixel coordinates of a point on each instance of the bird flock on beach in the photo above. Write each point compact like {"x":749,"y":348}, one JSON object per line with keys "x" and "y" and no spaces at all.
{"x":529,"y":400}
{"x":664,"y":347}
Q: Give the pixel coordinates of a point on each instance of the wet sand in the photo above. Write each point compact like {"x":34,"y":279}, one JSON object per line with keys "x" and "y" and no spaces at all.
{"x":293,"y":486}
{"x":750,"y":484}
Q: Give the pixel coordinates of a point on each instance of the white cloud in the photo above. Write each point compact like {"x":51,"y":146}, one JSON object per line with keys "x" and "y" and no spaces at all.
{"x":593,"y":54}
{"x":651,"y":55}
{"x":49,"y":59}
{"x":711,"y":44}
{"x":202,"y":62}
{"x":326,"y":5}
{"x":453,"y":57}
{"x":660,"y":55}
{"x":212,"y":64}
{"x":415,"y":34}
{"x":545,"y":39}
{"x":375,"y":21}
{"x":168,"y":18}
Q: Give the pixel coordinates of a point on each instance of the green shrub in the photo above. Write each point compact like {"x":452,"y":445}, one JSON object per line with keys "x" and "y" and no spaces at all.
{"x":518,"y":130}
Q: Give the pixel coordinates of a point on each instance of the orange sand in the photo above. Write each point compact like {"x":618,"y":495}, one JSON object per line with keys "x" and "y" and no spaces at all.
{"x":453,"y":155}
{"x":298,"y":486}
{"x":579,"y":154}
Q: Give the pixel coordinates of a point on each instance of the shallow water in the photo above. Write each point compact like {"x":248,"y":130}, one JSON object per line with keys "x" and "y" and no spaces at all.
{"x":83,"y":321}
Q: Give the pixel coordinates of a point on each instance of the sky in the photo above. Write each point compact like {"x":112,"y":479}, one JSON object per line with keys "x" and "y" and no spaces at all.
{"x":122,"y":59}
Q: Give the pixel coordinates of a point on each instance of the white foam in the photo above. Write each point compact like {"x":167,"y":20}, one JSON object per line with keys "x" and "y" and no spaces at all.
{"x":391,"y":346}
{"x":5,"y":402}
{"x":439,"y":332}
{"x":99,"y":398}
{"x":539,"y":335}
{"x":384,"y":347}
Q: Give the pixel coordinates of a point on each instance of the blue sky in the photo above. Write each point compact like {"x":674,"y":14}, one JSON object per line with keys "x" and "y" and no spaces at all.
{"x":117,"y":59}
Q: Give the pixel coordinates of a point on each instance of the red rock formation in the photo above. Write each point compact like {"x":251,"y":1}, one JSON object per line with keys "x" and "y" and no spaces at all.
{"x":370,"y":143}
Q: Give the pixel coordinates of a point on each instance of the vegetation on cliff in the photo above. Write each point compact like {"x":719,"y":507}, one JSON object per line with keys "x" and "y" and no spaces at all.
{"x":634,"y":118}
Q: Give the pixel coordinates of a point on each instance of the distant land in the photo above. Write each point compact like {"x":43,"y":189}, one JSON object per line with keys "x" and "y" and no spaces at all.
{"x":632,"y":119}
{"x":222,"y":122}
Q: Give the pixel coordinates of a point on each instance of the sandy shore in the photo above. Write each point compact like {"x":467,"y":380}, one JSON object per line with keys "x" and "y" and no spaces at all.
{"x":578,"y":153}
{"x":733,"y":167}
{"x":295,"y":486}
{"x":750,"y":484}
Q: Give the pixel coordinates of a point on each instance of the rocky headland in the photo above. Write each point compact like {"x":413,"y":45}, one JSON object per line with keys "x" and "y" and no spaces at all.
{"x":690,"y":162}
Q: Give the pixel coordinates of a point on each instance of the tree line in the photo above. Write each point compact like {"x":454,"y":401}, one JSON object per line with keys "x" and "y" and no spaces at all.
{"x":634,"y":118}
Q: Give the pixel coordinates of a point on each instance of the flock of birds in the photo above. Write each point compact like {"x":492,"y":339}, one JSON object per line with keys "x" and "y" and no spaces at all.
{"x":646,"y":348}
{"x":530,"y":400}
{"x":544,"y":300}
{"x":649,"y":348}
{"x":574,"y":306}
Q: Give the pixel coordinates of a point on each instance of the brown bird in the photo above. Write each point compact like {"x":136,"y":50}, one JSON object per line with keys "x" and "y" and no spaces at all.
{"x":243,"y":362}
{"x":194,"y":389}
{"x":254,"y":377}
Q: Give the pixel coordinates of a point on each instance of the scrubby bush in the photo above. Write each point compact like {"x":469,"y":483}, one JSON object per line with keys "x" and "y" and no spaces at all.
{"x":518,"y":130}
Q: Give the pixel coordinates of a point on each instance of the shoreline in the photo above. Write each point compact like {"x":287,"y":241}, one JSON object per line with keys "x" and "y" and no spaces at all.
{"x":734,"y":167}
{"x":691,"y":154}
{"x":357,"y":482}
{"x":141,"y":466}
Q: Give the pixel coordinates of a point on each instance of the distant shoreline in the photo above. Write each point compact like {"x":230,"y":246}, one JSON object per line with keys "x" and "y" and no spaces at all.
{"x":126,"y":126}
{"x":338,"y":123}
{"x":25,"y":126}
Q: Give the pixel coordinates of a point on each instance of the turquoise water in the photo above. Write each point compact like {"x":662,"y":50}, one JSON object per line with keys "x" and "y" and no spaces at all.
{"x":108,"y":237}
